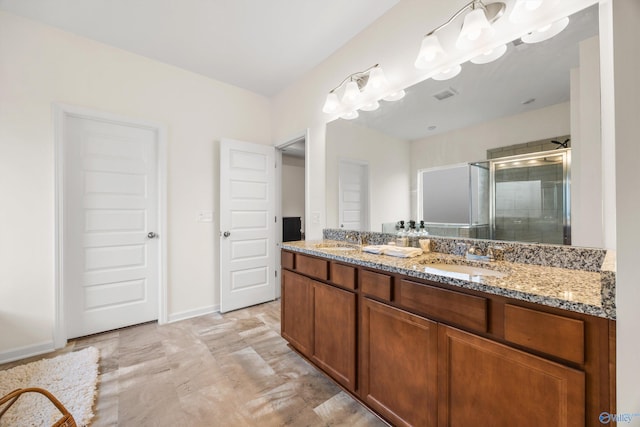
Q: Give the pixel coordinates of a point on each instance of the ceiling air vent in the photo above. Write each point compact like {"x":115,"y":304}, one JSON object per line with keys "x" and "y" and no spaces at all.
{"x":447,"y":93}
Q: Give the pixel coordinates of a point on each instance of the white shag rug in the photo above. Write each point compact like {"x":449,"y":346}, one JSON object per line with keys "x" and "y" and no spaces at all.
{"x":70,"y":377}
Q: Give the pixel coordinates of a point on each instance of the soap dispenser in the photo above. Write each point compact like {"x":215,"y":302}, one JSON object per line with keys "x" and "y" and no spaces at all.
{"x":412,"y":234}
{"x":401,"y":236}
{"x":423,"y":231}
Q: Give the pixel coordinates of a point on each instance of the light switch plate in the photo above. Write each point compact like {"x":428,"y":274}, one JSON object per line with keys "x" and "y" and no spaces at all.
{"x":204,"y":216}
{"x":315,"y":217}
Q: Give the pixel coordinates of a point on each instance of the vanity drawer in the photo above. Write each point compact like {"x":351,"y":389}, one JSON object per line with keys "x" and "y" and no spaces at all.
{"x":549,"y":333}
{"x":459,"y":309}
{"x":343,"y":275}
{"x":314,"y":267}
{"x":286,"y":260}
{"x":376,"y":284}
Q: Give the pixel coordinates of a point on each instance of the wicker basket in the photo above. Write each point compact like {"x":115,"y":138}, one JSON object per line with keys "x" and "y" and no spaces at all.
{"x":66,"y":420}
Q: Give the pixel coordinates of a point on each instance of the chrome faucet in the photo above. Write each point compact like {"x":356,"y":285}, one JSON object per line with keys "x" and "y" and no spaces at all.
{"x":355,"y":238}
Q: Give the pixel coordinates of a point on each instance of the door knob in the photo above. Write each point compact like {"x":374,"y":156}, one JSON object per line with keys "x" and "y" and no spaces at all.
{"x":226,"y":234}
{"x":152,"y":235}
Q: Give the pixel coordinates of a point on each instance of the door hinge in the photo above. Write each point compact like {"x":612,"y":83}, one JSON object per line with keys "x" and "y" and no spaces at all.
{"x":275,"y":219}
{"x":276,"y":271}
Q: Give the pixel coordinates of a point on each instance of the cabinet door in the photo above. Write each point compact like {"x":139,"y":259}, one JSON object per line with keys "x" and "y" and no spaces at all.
{"x":335,"y":333}
{"x":399,"y":364}
{"x":482,"y":382}
{"x":297,"y":311}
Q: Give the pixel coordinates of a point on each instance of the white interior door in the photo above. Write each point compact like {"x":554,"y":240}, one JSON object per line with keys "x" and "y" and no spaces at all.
{"x":110,"y":205}
{"x":247,"y":224}
{"x":353,"y":193}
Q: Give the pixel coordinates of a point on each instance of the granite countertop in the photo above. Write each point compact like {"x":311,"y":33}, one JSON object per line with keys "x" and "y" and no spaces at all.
{"x":569,"y":289}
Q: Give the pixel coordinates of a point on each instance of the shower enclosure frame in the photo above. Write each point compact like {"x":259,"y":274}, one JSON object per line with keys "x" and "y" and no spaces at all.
{"x":526,"y":158}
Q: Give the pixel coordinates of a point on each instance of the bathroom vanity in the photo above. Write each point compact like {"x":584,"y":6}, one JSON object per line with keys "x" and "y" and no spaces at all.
{"x":506,"y":344}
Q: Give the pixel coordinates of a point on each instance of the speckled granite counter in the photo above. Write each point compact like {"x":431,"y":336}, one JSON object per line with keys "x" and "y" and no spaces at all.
{"x":581,"y":291}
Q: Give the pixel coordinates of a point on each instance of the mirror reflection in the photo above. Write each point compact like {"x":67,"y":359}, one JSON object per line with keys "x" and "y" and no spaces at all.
{"x":539,"y":101}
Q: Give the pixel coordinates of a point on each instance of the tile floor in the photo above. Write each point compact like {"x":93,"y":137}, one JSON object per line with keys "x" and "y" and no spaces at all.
{"x":216,"y":370}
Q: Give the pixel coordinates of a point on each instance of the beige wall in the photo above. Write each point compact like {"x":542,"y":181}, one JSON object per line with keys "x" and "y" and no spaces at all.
{"x":586,"y":153}
{"x":626,"y":16}
{"x":40,"y":65}
{"x":388,"y":161}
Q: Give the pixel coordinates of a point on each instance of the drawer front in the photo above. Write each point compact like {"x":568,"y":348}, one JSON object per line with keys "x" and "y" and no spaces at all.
{"x":452,"y":307}
{"x":343,"y":275}
{"x":286,"y":260}
{"x":314,"y":267}
{"x":549,"y":333}
{"x":376,"y":284}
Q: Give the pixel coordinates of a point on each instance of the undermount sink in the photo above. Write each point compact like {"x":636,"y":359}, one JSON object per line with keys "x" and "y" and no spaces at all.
{"x":466,"y":270}
{"x":335,"y":247}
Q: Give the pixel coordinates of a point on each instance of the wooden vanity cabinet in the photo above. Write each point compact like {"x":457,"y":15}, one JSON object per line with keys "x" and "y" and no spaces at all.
{"x":433,"y":355}
{"x":319,"y":319}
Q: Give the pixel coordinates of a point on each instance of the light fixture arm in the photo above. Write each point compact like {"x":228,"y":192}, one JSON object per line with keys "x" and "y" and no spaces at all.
{"x":360,"y":77}
{"x":492,"y":10}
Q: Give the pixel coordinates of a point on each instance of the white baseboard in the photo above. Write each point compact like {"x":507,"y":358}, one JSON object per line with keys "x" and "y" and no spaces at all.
{"x":26,"y":351}
{"x":188,"y":314}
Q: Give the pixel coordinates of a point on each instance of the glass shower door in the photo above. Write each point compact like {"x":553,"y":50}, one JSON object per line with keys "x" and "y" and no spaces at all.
{"x":531,"y":198}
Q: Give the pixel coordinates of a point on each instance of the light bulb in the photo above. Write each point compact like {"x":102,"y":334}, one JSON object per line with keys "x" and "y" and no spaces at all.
{"x":370,"y":106}
{"x":546,"y":32}
{"x":351,"y":94}
{"x":476,"y":30}
{"x":430,"y":51}
{"x":377,"y":81}
{"x":395,"y":96}
{"x":350,"y":115}
{"x":448,"y":73}
{"x":490,"y":55}
{"x":331,"y":104}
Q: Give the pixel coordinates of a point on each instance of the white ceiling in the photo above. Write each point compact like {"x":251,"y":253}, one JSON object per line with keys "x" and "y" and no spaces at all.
{"x":259,"y":45}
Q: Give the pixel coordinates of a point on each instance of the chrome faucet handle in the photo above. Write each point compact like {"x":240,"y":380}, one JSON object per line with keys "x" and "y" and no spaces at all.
{"x":474,"y":250}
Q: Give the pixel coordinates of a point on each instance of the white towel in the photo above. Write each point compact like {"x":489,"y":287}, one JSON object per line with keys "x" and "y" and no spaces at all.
{"x":403,"y":252}
{"x":373,"y":249}
{"x":397,"y":251}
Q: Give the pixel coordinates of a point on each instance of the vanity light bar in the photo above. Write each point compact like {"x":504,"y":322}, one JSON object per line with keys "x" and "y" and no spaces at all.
{"x":360,"y":91}
{"x":477,"y":32}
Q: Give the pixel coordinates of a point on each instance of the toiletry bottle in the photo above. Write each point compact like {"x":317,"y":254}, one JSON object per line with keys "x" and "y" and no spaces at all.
{"x":423,"y":231}
{"x":412,"y":235}
{"x":401,"y":237}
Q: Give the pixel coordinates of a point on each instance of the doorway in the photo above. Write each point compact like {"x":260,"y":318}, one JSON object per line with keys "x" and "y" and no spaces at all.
{"x":292,"y":189}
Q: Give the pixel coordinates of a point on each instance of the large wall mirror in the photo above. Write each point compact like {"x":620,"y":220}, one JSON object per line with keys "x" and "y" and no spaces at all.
{"x":534,"y":94}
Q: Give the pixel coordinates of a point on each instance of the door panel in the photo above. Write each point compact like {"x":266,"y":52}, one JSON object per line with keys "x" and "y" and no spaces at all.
{"x":334,"y":325}
{"x":111,"y":268}
{"x":484,"y":380}
{"x":353,"y":202}
{"x":247,"y":214}
{"x":399,"y":364}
